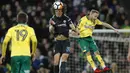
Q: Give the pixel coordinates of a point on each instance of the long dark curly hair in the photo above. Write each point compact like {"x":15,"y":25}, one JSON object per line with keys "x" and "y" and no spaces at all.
{"x":64,"y":9}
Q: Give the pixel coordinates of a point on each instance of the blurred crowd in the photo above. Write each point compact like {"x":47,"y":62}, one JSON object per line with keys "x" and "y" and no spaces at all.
{"x":39,"y":11}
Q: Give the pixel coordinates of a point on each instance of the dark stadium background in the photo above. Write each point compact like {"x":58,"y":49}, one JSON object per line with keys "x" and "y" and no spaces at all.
{"x":115,"y":12}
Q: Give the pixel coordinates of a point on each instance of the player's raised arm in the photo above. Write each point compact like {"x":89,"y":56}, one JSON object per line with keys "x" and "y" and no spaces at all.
{"x":109,"y":26}
{"x":73,"y":31}
{"x":72,"y":27}
{"x":51,"y":27}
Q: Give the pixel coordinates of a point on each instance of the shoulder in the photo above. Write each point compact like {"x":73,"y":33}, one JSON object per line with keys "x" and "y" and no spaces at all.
{"x":11,"y":28}
{"x":53,"y":17}
{"x":98,"y":22}
{"x":30,"y":28}
{"x":67,"y":18}
{"x":84,"y":18}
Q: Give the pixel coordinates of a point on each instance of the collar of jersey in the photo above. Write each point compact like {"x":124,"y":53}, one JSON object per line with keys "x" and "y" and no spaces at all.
{"x":89,"y":19}
{"x":60,"y":17}
{"x":22,"y":24}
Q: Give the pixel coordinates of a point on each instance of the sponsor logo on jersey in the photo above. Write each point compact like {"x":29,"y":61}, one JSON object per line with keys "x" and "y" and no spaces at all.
{"x":91,"y":27}
{"x":62,"y":25}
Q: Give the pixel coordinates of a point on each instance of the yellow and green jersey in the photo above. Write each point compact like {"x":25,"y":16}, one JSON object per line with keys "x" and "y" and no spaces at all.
{"x":87,"y":26}
{"x":20,"y":36}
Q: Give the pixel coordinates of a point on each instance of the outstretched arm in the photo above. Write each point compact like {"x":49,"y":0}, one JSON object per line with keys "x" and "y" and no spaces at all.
{"x":51,"y":29}
{"x":51,"y":26}
{"x":109,"y":26}
{"x":73,"y":32}
{"x":72,"y":26}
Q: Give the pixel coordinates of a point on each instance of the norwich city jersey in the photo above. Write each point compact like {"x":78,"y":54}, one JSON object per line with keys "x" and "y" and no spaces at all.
{"x":87,"y":26}
{"x":20,"y":39}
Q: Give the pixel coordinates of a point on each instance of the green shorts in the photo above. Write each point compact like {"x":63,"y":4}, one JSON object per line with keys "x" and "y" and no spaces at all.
{"x":87,"y":44}
{"x":20,"y":64}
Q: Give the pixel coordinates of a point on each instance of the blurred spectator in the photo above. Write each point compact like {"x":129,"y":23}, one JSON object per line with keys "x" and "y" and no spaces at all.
{"x":76,"y":3}
{"x":115,"y":25}
{"x":126,"y":25}
{"x":110,"y":16}
{"x":44,"y":47}
{"x":36,"y":63}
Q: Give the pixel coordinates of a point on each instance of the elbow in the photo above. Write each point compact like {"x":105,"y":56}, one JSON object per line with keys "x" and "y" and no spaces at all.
{"x":5,"y":43}
{"x":51,"y":29}
{"x":6,"y":40}
{"x":35,"y":41}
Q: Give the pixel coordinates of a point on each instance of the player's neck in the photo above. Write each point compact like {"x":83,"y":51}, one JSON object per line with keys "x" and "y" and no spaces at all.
{"x":22,"y":24}
{"x":90,"y":18}
{"x":60,"y":16}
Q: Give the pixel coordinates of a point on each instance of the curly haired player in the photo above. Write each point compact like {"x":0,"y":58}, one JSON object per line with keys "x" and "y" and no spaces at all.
{"x":59,"y":25}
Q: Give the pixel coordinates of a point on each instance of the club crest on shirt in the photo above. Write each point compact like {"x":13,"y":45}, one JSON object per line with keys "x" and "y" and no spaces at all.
{"x":64,"y":21}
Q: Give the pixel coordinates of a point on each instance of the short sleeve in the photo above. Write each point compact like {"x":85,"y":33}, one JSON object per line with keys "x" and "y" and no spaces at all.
{"x":80,"y":23}
{"x":32,"y":33}
{"x":9,"y":33}
{"x":51,"y":22}
{"x":98,"y":22}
